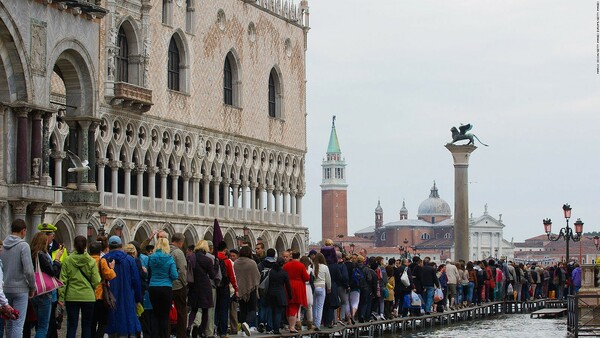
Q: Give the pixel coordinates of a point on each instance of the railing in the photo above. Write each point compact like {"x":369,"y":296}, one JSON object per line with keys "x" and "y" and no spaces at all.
{"x":583,"y":315}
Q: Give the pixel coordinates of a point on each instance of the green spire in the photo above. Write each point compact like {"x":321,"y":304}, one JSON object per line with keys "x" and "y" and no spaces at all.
{"x":334,"y":145}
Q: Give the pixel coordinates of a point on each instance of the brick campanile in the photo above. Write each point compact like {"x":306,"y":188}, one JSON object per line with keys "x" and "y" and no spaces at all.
{"x":334,"y":214}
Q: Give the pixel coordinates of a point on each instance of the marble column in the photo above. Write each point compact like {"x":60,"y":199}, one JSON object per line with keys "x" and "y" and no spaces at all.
{"x":286,"y":195}
{"x":226,"y":182}
{"x":270,"y":197}
{"x":235,"y":186}
{"x":261,"y":201}
{"x":164,"y":174}
{"x":175,"y":189}
{"x":293,"y":204}
{"x":73,"y":147}
{"x":152,"y":170}
{"x":22,"y":145}
{"x":37,"y":213}
{"x":91,"y":150}
{"x":460,"y":155}
{"x":101,"y":163}
{"x":196,"y":192}
{"x":140,"y":169}
{"x":84,"y":126}
{"x":253,"y":186}
{"x":127,"y":166}
{"x":186,"y":191}
{"x":216,"y":195}
{"x":19,"y":209}
{"x":299,"y":205}
{"x":114,"y":166}
{"x":58,"y":156}
{"x":36,"y":147}
{"x":46,"y":179}
{"x":205,"y":193}
{"x":244,"y":185}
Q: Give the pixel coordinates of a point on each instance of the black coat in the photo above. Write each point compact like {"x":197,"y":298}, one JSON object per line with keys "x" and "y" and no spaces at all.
{"x":399,"y":287}
{"x":200,"y":295}
{"x":280,"y":290}
{"x":332,"y":298}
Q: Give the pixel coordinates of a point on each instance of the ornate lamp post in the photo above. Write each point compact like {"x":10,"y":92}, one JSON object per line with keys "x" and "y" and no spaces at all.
{"x":567,"y":232}
{"x":102,"y":222}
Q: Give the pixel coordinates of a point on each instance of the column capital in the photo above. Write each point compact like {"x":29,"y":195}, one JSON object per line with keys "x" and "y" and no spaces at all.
{"x":253,"y":185}
{"x":196,"y":177}
{"x":262,"y":186}
{"x":164,"y":172}
{"x":270,"y":187}
{"x":186,"y":175}
{"x":175,"y":173}
{"x":206,"y":178}
{"x":140,"y":168}
{"x":38,"y":208}
{"x":217,"y":180}
{"x":115,"y":165}
{"x":300,"y":193}
{"x":227,"y":181}
{"x":286,"y":190}
{"x":128,"y":166}
{"x":19,"y":207}
{"x":460,"y":154}
{"x":152,"y":170}
{"x":235,"y":182}
{"x":102,"y":162}
{"x":294,"y":192}
{"x":59,"y":155}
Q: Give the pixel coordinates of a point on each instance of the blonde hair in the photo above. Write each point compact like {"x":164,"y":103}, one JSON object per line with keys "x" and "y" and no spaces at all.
{"x":130,"y":249}
{"x":162,"y":244}
{"x":328,"y":242}
{"x":360,"y":259}
{"x":202,"y":245}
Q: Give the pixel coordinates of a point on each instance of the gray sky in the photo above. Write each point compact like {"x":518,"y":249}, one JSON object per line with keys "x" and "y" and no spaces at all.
{"x":399,"y":74}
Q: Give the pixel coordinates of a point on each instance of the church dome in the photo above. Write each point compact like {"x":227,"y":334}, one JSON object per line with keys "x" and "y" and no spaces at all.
{"x":434,"y":205}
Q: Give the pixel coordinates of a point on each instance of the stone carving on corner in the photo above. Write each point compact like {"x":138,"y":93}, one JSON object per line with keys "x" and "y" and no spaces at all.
{"x":38,"y":47}
{"x":35,"y":169}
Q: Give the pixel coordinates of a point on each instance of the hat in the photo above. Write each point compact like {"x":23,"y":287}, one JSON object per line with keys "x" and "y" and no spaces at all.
{"x":210,"y":243}
{"x":312,"y":252}
{"x":114,"y":240}
{"x":47,"y":227}
{"x":448,"y":260}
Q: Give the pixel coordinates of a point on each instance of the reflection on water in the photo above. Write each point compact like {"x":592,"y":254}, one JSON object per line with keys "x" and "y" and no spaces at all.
{"x":499,"y":326}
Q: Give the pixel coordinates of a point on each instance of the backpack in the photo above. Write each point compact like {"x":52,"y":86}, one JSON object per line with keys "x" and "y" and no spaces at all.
{"x":358,"y":279}
{"x":224,"y":276}
{"x":264,"y":282}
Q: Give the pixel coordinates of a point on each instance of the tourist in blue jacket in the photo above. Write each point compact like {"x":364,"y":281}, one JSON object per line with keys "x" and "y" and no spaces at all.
{"x":161,"y":273}
{"x":127,"y":289}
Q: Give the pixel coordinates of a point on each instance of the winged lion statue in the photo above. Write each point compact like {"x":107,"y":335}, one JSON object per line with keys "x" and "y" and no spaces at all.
{"x":462,"y":134}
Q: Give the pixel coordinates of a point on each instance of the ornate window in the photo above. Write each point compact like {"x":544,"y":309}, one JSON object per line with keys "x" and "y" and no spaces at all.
{"x":173,"y":66}
{"x":272,"y":103}
{"x":425,"y":236}
{"x":275,"y":95}
{"x":227,"y":82}
{"x":383,"y":236}
{"x":123,"y":57}
{"x":166,"y":11}
{"x":447,"y":235}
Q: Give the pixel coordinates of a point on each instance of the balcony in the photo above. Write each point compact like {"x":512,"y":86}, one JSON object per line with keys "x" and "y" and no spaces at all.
{"x":132,"y":97}
{"x":90,"y":7}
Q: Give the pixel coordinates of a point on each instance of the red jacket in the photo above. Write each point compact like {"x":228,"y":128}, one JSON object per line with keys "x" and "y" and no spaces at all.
{"x":229,"y":267}
{"x":298,"y":277}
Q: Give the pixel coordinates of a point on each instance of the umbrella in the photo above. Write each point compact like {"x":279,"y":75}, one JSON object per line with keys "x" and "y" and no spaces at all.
{"x":217,"y":237}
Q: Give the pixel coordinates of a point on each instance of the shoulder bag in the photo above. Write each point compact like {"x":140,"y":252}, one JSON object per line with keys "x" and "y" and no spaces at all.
{"x":44,"y":283}
{"x":108,"y":299}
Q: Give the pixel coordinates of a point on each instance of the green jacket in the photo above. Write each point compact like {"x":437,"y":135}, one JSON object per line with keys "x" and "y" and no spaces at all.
{"x":73,"y":273}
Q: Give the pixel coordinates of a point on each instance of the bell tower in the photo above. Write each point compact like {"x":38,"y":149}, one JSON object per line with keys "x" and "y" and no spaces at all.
{"x":334,"y":214}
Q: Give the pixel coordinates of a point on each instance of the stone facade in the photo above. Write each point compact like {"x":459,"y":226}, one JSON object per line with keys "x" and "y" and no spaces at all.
{"x":136,"y":87}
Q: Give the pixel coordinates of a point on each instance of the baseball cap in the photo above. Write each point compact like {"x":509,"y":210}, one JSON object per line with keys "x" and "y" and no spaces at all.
{"x":114,"y":240}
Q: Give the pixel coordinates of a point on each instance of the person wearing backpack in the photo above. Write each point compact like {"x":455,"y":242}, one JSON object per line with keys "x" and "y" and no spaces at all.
{"x":401,"y":289}
{"x":264,"y":310}
{"x":278,"y":294}
{"x":223,"y":293}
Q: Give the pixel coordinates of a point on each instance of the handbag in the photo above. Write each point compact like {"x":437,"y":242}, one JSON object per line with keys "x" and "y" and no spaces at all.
{"x":173,"y":314}
{"x":44,"y":283}
{"x":438,"y":295}
{"x":415,"y":300}
{"x":404,"y":278}
{"x":108,"y":299}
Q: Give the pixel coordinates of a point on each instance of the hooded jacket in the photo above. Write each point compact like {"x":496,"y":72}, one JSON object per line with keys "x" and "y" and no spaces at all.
{"x":80,"y":275}
{"x":17,"y":266}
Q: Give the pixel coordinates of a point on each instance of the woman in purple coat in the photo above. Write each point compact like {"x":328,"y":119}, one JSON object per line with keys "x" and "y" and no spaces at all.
{"x":200,"y":296}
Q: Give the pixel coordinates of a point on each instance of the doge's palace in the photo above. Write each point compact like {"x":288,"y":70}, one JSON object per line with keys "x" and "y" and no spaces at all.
{"x":185,"y":110}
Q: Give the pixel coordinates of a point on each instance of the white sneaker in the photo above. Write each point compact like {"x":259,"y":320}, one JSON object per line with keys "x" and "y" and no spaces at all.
{"x":246,"y":329}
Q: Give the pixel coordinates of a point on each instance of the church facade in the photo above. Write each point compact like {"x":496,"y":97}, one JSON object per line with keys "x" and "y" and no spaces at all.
{"x":185,"y":111}
{"x":431,"y":233}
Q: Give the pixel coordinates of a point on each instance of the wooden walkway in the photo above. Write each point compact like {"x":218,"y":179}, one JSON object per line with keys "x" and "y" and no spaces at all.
{"x":400,"y":326}
{"x":552,"y":313}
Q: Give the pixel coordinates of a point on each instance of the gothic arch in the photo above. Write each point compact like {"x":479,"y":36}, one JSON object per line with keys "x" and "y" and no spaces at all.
{"x":236,"y":76}
{"x":184,"y":60}
{"x":169,"y":228}
{"x":75,"y":67}
{"x":66,"y":230}
{"x":297,"y":243}
{"x":14,"y":72}
{"x":275,"y":89}
{"x":280,"y":243}
{"x":141,"y":231}
{"x":267,"y":239}
{"x":191,"y":235}
{"x":135,"y":48}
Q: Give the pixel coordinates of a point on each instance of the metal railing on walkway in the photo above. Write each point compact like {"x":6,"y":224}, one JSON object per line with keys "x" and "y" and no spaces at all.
{"x":583,"y":315}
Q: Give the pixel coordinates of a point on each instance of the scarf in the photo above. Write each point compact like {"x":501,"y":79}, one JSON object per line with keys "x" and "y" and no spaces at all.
{"x":247,"y":277}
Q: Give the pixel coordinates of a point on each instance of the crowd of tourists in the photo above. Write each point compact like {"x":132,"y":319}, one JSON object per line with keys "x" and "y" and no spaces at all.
{"x":160,"y":288}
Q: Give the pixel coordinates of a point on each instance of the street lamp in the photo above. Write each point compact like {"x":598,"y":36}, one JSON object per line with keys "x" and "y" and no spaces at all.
{"x":102,"y":222}
{"x":566,"y":233}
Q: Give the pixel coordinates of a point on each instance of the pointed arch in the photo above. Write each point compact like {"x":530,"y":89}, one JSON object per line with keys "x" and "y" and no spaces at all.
{"x":232,"y":84}
{"x":66,"y":230}
{"x":191,"y":235}
{"x":169,"y":228}
{"x":127,"y":64}
{"x":15,"y":76}
{"x":267,"y":239}
{"x":141,"y":231}
{"x":275,"y":93}
{"x":178,"y":64}
{"x":281,"y":243}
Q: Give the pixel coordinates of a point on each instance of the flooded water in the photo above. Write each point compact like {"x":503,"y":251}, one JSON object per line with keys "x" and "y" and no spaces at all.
{"x":500,"y":326}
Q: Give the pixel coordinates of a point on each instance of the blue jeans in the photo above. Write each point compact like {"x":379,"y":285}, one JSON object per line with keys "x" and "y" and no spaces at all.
{"x":428,"y":295}
{"x":318,"y":301}
{"x":42,"y":305}
{"x":87,"y":314}
{"x":265,"y":314}
{"x":14,"y":328}
{"x":470,"y":292}
{"x":222,"y":310}
{"x":274,"y":315}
